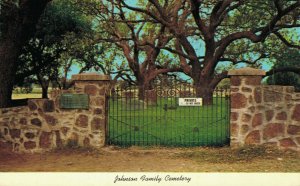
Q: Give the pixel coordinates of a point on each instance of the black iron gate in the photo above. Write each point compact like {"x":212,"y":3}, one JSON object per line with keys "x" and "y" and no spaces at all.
{"x":168,"y":115}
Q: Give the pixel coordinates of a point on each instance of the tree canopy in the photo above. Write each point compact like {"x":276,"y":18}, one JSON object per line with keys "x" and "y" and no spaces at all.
{"x":18,"y":21}
{"x":138,"y":40}
{"x":229,"y":31}
{"x":40,"y":57}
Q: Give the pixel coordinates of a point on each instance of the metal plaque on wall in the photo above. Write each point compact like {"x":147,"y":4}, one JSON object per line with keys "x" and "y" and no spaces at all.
{"x":74,"y":101}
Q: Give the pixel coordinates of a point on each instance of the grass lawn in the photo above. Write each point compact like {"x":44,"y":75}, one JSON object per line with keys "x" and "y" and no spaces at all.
{"x":35,"y":93}
{"x":168,"y":124}
{"x":25,"y":96}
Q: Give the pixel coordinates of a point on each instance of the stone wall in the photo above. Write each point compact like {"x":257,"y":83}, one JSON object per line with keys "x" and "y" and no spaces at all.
{"x":43,"y":125}
{"x":262,"y":114}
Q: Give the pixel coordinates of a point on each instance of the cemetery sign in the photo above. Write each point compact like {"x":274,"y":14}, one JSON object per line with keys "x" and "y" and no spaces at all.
{"x":190,"y":101}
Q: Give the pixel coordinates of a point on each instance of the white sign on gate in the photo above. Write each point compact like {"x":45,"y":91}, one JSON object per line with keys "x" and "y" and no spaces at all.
{"x":190,"y":101}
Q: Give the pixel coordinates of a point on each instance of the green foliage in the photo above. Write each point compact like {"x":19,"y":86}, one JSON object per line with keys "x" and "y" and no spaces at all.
{"x":224,"y":84}
{"x":60,"y":17}
{"x":252,"y":16}
{"x":289,"y":58}
{"x":40,"y":57}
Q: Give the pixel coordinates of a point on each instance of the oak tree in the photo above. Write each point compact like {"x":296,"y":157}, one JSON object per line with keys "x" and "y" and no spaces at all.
{"x":131,"y":33}
{"x":218,"y":25}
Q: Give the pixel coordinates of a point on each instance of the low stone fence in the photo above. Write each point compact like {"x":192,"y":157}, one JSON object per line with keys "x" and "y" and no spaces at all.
{"x":43,"y":125}
{"x":262,"y":114}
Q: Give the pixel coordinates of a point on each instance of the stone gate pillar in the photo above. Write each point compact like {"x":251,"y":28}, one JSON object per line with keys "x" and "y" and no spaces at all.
{"x":242,"y":85}
{"x":94,"y":120}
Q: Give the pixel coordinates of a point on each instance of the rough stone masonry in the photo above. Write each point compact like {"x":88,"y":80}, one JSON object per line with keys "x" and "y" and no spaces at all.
{"x":43,"y":125}
{"x":263,"y":114}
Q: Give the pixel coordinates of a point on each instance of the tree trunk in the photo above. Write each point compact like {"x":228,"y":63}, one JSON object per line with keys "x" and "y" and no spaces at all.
{"x":142,"y":88}
{"x":205,"y":93}
{"x":141,"y":93}
{"x":44,"y":84}
{"x":8,"y":56}
{"x":45,"y":92}
{"x":204,"y":89}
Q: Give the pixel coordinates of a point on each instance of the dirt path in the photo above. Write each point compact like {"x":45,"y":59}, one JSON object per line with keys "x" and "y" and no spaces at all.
{"x":134,"y":159}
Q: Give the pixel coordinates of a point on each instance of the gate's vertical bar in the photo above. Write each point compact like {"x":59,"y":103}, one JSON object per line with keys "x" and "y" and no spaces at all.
{"x":131,"y":116}
{"x":214,"y":115}
{"x":117,"y":116}
{"x":110,"y":106}
{"x":111,"y":115}
{"x":189,"y":116}
{"x":164,"y":114}
{"x":207,"y":122}
{"x":219,"y":121}
{"x":211,"y":123}
{"x":143,"y":122}
{"x":125,"y":114}
{"x":148,"y":114}
{"x":165,"y":111}
{"x":197,"y":138}
{"x":228,"y":114}
{"x":180,"y":116}
{"x":156,"y":110}
{"x":112,"y":126}
{"x":159,"y":112}
{"x":216,"y":111}
{"x":175,"y":86}
{"x":169,"y":138}
{"x":222,"y":121}
{"x":175,"y":111}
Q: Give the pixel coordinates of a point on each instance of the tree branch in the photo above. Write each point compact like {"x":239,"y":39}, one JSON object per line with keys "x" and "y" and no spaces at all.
{"x":265,"y":31}
{"x":195,"y":5}
{"x":145,"y":12}
{"x":183,"y":63}
{"x":235,"y":61}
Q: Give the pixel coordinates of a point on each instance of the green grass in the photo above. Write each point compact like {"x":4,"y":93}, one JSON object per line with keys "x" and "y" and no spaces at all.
{"x":25,"y":96}
{"x":174,"y":126}
{"x":18,"y":94}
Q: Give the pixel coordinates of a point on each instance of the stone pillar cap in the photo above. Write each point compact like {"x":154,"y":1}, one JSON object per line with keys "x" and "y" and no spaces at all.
{"x":90,"y":76}
{"x":247,"y":71}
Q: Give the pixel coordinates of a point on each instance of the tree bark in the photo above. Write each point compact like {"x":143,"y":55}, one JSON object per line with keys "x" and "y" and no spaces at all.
{"x":143,"y":86}
{"x":44,"y":84}
{"x":45,"y":92}
{"x":205,"y":93}
{"x":8,"y":56}
{"x":204,"y":89}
